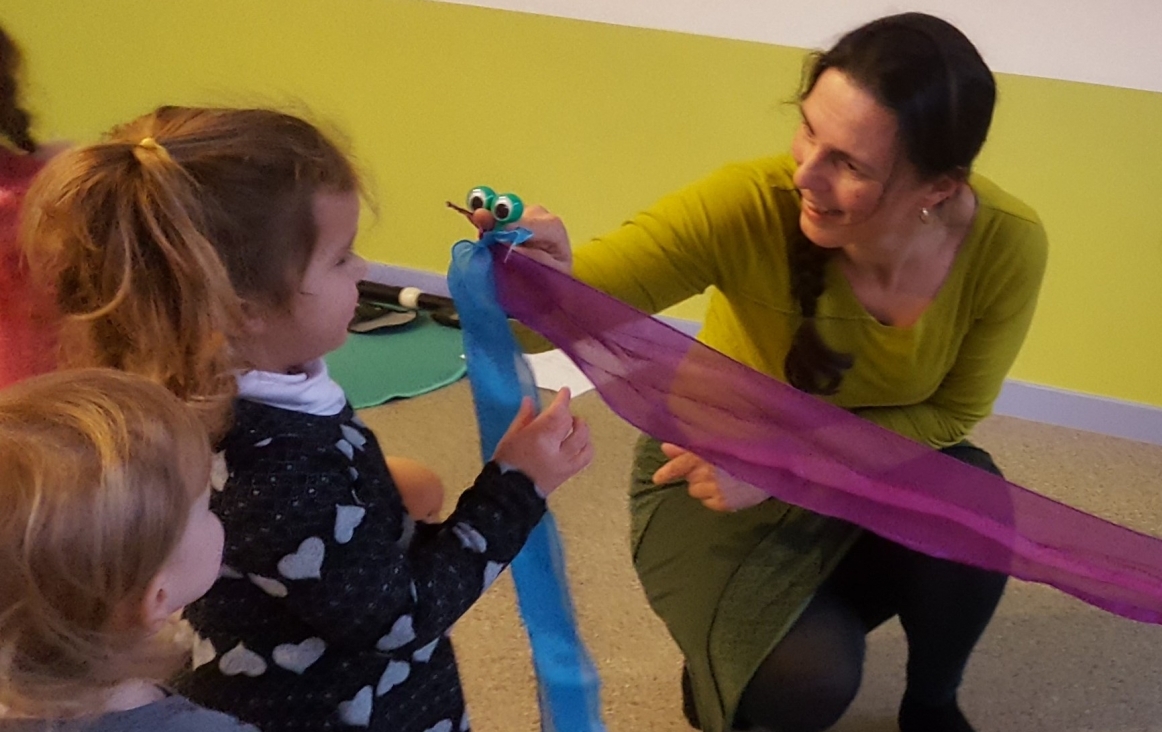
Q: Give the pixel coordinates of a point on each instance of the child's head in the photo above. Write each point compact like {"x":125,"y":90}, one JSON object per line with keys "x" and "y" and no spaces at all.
{"x":168,"y":240}
{"x":14,"y":121}
{"x":105,"y":532}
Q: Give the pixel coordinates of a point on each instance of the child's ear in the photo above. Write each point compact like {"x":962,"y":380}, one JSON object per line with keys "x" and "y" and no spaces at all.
{"x":254,"y":317}
{"x":155,"y":607}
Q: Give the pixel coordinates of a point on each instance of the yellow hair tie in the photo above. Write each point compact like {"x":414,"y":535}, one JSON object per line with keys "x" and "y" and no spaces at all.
{"x":148,"y":143}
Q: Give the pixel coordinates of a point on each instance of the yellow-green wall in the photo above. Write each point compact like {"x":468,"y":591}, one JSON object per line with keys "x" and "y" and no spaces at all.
{"x":595,"y":121}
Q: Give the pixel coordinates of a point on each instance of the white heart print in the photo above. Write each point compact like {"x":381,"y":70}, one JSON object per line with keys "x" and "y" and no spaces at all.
{"x":347,"y":519}
{"x":219,"y":472}
{"x":354,"y":436}
{"x":401,"y":634}
{"x":423,"y":655}
{"x":272,"y":587}
{"x":395,"y":674}
{"x":225,"y":572}
{"x":299,"y":657}
{"x":356,"y":711}
{"x":202,"y":652}
{"x":306,"y":563}
{"x":491,"y":571}
{"x":470,"y":538}
{"x":241,"y":660}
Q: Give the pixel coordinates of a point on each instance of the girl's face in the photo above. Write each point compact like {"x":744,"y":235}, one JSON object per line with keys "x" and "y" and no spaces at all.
{"x":315,"y":323}
{"x":196,"y":561}
{"x":193,"y":567}
{"x":855,"y":182}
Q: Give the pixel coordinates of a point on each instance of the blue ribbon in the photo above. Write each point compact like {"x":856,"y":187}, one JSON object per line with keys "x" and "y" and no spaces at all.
{"x":567,"y":683}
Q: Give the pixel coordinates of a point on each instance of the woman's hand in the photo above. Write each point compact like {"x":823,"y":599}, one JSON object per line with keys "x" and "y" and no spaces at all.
{"x":715,"y":488}
{"x":550,"y":242}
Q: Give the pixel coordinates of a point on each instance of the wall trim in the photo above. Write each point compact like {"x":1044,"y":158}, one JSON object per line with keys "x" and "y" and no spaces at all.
{"x":1020,"y":399}
{"x":432,"y":283}
{"x":1111,"y":43}
{"x":1081,"y":411}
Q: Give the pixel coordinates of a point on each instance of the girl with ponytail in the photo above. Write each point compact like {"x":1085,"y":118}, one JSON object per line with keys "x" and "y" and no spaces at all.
{"x":211,"y":252}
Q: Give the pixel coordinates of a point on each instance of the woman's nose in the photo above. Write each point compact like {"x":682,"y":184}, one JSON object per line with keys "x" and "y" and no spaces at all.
{"x":809,"y":174}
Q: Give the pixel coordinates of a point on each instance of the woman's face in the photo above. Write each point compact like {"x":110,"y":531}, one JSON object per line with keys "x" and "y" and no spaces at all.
{"x":855,"y":182}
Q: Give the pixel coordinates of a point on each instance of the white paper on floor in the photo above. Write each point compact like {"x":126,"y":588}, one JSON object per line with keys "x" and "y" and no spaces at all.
{"x":553,"y":370}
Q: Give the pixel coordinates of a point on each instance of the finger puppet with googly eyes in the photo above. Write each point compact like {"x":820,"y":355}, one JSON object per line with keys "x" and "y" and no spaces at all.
{"x":490,"y":212}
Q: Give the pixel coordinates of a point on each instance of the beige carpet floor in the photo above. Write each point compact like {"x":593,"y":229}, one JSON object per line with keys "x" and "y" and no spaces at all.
{"x":1047,"y":662}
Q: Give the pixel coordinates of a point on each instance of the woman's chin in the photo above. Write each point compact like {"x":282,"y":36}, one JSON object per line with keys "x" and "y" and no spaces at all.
{"x":821,"y":231}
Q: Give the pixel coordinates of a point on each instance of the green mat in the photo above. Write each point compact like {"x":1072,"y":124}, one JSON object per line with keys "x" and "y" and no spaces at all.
{"x":405,"y":361}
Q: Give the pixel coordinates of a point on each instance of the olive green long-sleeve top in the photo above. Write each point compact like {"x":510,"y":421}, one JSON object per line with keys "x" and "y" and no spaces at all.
{"x":931,"y":382}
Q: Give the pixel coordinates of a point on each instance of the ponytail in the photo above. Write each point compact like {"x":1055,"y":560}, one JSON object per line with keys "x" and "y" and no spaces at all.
{"x":142,"y":289}
{"x":811,"y":366}
{"x":153,"y":240}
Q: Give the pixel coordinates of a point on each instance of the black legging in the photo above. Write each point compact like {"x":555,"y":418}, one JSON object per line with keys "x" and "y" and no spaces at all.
{"x":812,"y":675}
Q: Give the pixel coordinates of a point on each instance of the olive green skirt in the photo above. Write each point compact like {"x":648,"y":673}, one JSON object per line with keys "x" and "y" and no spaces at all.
{"x":727,"y":585}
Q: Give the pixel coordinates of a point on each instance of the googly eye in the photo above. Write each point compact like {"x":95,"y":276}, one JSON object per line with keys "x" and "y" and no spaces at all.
{"x":481,"y":197}
{"x":508,"y":208}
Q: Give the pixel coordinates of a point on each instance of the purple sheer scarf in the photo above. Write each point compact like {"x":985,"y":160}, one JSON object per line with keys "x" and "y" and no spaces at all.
{"x":807,"y":452}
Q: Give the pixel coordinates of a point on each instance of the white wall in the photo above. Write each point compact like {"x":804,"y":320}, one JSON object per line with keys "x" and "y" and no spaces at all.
{"x":1110,"y":42}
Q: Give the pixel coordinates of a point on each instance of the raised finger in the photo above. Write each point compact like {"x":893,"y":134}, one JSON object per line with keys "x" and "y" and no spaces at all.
{"x":676,"y":469}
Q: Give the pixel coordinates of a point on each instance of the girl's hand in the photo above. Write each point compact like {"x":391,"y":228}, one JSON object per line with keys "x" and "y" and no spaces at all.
{"x":549,"y":447}
{"x":715,"y":488}
{"x":550,"y":242}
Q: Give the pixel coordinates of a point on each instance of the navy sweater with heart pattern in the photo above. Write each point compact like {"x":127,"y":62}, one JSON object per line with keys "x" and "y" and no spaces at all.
{"x":334,"y":607}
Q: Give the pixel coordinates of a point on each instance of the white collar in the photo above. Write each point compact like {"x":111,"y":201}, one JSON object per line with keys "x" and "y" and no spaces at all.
{"x":313,"y":391}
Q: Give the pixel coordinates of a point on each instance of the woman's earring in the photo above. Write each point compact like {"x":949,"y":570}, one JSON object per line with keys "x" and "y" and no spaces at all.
{"x":925,"y":215}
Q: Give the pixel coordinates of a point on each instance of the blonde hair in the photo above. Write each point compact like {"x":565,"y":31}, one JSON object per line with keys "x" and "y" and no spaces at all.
{"x":99,"y":470}
{"x":153,"y":239}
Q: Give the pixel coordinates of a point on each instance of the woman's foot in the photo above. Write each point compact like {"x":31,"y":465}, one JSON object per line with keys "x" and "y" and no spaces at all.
{"x":915,"y":717}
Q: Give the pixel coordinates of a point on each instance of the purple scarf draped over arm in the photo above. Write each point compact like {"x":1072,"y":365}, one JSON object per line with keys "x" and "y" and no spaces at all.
{"x":807,"y":452}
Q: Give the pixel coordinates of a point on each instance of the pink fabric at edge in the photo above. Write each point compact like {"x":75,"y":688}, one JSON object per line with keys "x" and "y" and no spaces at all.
{"x":27,"y":314}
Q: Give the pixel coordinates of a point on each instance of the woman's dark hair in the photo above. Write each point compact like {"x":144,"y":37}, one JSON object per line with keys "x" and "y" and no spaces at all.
{"x":14,"y":121}
{"x":935,"y":82}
